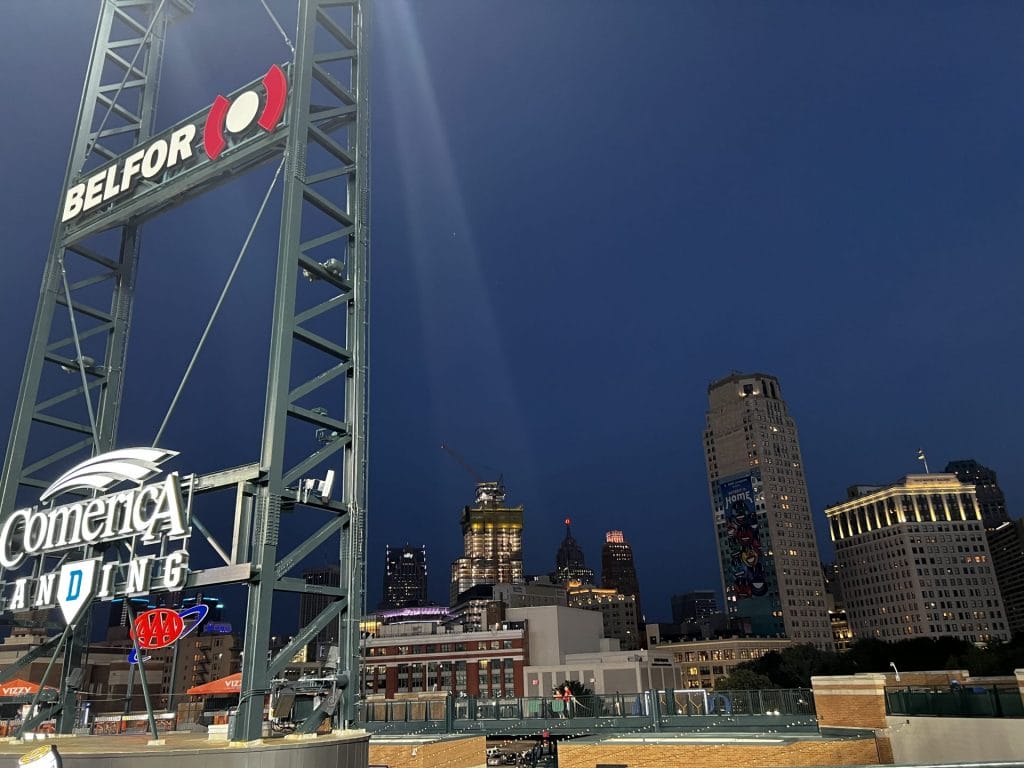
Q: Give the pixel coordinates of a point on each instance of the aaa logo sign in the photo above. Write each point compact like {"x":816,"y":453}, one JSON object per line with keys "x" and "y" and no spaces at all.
{"x":160,"y":627}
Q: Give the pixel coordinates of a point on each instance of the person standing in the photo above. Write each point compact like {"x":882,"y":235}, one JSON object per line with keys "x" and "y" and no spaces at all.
{"x":556,"y":705}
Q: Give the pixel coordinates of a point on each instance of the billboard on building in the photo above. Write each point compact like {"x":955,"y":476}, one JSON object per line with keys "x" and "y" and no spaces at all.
{"x":745,"y":574}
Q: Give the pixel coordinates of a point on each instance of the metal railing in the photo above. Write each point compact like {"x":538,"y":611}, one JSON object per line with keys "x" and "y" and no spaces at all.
{"x":650,"y":710}
{"x":959,"y":701}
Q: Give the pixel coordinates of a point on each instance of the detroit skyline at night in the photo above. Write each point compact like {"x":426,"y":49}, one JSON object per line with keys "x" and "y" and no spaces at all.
{"x":571,"y":244}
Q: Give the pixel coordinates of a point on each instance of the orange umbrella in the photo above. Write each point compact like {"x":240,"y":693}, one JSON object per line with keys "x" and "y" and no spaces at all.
{"x":18,"y":687}
{"x":226,"y":685}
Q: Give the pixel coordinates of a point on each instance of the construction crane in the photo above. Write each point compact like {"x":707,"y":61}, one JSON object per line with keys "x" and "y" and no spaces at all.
{"x":487,"y":491}
{"x":455,"y":455}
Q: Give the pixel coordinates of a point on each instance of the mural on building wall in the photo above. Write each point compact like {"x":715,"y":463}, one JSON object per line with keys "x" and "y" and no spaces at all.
{"x":746,"y":561}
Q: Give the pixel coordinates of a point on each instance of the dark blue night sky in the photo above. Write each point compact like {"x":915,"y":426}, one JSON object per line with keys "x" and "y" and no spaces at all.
{"x":583,"y":212}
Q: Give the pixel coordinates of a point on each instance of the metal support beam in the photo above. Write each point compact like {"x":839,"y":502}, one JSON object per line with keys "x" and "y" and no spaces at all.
{"x":328,"y":120}
{"x":315,"y":413}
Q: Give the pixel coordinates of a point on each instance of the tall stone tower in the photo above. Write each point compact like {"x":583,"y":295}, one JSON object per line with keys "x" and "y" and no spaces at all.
{"x":570,"y":562}
{"x":771,"y":571}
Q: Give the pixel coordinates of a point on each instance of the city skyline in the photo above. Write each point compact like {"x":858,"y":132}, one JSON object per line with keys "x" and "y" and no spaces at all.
{"x":826,"y":172}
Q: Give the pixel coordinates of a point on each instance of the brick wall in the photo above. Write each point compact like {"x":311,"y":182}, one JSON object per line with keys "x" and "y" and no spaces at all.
{"x":799,"y":753}
{"x":932,"y":679}
{"x":449,"y":753}
{"x":851,"y":701}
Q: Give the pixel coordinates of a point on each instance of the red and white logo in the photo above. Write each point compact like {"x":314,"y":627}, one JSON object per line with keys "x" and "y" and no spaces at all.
{"x":235,"y":116}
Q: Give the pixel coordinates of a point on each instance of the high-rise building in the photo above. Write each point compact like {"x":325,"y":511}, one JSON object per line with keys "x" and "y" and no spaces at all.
{"x":990,"y":496}
{"x":1006,"y":544}
{"x":914,"y":562}
{"x":694,"y":606}
{"x":492,"y":540}
{"x":1005,"y":537}
{"x":570,"y":564}
{"x":842,"y":635}
{"x":620,"y":613}
{"x":618,"y":571}
{"x":312,"y":604}
{"x":768,"y":551}
{"x":405,"y":576}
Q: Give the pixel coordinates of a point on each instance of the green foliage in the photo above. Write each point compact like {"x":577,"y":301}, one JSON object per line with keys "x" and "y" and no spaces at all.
{"x":742,"y":679}
{"x":794,"y":666}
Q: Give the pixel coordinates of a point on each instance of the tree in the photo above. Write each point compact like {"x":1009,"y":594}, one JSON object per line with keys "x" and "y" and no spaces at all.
{"x":794,"y":667}
{"x":743,"y":679}
{"x":802,"y":662}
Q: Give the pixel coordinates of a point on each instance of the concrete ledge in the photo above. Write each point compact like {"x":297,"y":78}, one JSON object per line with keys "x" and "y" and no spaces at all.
{"x":135,"y":752}
{"x":869,"y":681}
{"x":924,"y":740}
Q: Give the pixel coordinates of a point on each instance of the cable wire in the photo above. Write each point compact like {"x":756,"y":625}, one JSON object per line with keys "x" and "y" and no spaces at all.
{"x":78,"y":351}
{"x":216,"y":309}
{"x":280,"y":29}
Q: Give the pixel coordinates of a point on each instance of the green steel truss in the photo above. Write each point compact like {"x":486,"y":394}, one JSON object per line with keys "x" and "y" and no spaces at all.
{"x":317,"y":371}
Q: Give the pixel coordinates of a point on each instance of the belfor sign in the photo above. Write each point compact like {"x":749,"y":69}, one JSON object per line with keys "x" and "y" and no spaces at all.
{"x":177,"y":149}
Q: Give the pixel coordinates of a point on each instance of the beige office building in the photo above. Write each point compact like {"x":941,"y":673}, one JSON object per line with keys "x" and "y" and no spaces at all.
{"x":771,"y":571}
{"x":703,"y":662}
{"x":620,"y":615}
{"x":914,"y":561}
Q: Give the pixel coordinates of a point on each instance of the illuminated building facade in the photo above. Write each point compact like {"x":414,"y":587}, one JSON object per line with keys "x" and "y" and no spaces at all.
{"x":405,"y":576}
{"x":768,"y":551}
{"x":694,"y":606}
{"x":620,"y":613}
{"x":704,"y":662}
{"x":424,"y":658}
{"x":570,"y":563}
{"x":618,"y":570}
{"x":202,"y":658}
{"x":914,"y":562}
{"x":842,"y":635}
{"x":492,"y":538}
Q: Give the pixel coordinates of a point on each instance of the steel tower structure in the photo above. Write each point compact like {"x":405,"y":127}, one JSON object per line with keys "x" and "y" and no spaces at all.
{"x":317,"y":370}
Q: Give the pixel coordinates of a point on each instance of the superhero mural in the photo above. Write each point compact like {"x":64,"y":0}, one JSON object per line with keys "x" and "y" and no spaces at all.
{"x":743,"y":538}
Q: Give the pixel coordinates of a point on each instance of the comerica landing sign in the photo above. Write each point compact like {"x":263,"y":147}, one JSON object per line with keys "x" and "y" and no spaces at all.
{"x":151,"y":517}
